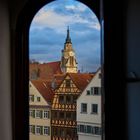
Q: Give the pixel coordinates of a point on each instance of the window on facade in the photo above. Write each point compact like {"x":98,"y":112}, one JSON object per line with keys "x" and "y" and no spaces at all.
{"x":97,"y":130}
{"x":94,"y":108}
{"x":74,"y":115}
{"x":67,"y":83}
{"x":74,"y":99}
{"x":82,"y":128}
{"x":61,"y":99}
{"x":32,"y":113}
{"x":94,"y":130}
{"x":31,"y":98}
{"x":38,"y":99}
{"x":62,"y":132}
{"x":88,"y":92}
{"x":61,"y":115}
{"x":100,"y":76}
{"x":68,"y":99}
{"x":38,"y":113}
{"x":46,"y":130}
{"x":32,"y":129}
{"x":46,"y":114}
{"x":39,"y":130}
{"x":68,"y":115}
{"x":54,"y":115}
{"x":95,"y":90}
{"x":89,"y":129}
{"x":83,"y":108}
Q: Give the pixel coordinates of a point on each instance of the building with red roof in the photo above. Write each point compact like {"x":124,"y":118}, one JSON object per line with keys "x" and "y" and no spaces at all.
{"x":63,"y":120}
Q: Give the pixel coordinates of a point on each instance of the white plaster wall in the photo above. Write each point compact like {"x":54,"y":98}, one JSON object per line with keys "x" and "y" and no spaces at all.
{"x":90,"y":99}
{"x":88,"y":137}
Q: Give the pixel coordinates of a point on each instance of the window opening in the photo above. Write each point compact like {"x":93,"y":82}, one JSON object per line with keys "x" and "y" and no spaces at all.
{"x":72,"y":29}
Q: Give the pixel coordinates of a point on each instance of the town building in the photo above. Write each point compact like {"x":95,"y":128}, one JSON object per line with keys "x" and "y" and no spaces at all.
{"x":63,"y":119}
{"x":89,"y":110}
{"x":40,"y":97}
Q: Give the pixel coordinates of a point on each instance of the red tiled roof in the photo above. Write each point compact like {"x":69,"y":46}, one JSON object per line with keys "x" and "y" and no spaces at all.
{"x":46,"y":70}
{"x":81,"y":79}
{"x":58,"y":78}
{"x":44,"y":88}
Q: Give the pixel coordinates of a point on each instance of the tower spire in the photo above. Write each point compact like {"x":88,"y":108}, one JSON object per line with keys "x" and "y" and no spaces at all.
{"x":68,"y":59}
{"x":68,"y":39}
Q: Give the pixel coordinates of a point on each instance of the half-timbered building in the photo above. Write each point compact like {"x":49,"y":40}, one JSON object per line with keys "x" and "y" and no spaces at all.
{"x":63,"y":120}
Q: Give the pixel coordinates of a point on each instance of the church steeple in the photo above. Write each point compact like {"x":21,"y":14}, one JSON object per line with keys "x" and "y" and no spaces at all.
{"x":68,"y":39}
{"x":68,"y":60}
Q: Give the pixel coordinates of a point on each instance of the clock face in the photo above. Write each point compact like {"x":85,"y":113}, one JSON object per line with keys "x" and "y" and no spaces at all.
{"x":71,"y":54}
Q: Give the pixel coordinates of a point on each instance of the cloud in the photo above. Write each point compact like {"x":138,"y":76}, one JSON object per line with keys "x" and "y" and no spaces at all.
{"x":48,"y":33}
{"x":78,"y":7}
{"x":57,"y":18}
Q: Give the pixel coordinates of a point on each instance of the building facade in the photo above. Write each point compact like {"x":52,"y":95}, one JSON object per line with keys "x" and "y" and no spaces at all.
{"x":40,"y":96}
{"x":63,"y":120}
{"x":89,"y":110}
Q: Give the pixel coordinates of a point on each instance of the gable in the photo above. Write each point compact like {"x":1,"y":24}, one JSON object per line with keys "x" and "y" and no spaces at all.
{"x":67,"y":85}
{"x":95,"y":82}
{"x":36,"y":94}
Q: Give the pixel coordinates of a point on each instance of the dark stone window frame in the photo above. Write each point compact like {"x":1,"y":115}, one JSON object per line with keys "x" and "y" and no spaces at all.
{"x":112,"y":65}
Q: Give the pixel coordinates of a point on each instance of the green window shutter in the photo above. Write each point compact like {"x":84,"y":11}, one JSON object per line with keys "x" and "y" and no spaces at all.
{"x":41,"y":114}
{"x":33,"y":129}
{"x":33,"y":114}
{"x":48,"y":114}
{"x":48,"y":130}
{"x":41,"y":130}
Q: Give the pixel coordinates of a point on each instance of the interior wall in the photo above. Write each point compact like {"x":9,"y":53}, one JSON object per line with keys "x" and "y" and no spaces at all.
{"x":5,"y":92}
{"x":133,"y":65}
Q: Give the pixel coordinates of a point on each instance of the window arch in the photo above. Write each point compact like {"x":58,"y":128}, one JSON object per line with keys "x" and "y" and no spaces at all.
{"x":20,"y":67}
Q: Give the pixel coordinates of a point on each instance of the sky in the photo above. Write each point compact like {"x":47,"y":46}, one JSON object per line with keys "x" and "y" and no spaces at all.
{"x":48,"y":32}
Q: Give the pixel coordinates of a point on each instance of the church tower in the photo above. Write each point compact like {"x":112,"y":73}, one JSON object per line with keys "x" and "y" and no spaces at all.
{"x":68,"y":59}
